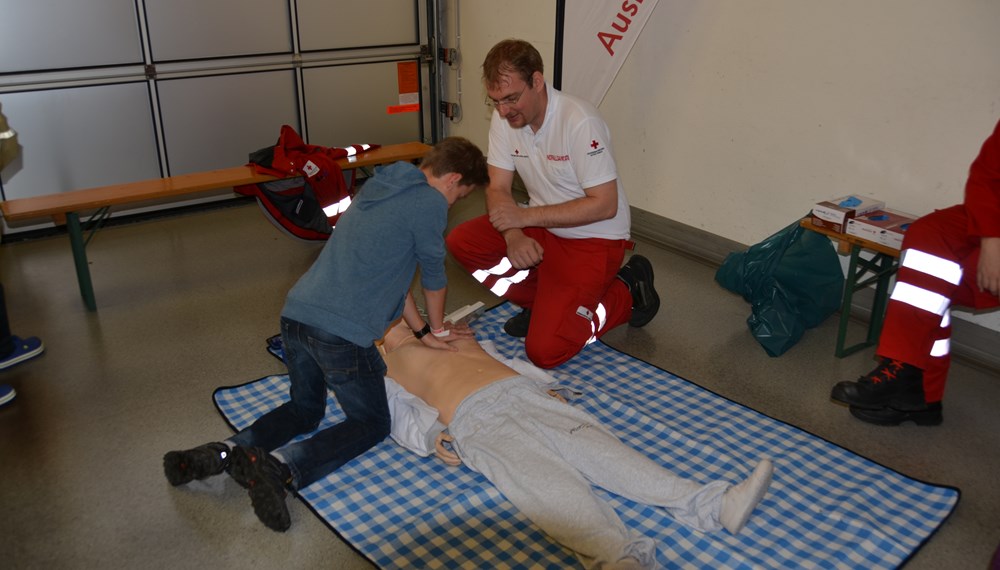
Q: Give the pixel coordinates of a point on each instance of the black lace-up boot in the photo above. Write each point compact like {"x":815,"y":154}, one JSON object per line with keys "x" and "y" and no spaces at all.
{"x":637,"y":274}
{"x":893,"y":384}
{"x":266,"y":479}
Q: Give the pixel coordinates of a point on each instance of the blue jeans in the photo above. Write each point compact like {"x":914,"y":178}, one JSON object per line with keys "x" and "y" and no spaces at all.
{"x":317,"y":361}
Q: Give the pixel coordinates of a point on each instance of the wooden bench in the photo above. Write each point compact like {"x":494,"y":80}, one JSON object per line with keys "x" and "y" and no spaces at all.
{"x":66,"y":207}
{"x":861,"y":273}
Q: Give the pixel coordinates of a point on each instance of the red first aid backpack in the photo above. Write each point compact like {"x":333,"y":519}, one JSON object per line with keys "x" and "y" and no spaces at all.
{"x":311,"y":193}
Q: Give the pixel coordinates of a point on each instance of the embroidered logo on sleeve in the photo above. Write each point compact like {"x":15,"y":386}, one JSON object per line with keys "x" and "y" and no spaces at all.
{"x":596,"y":148}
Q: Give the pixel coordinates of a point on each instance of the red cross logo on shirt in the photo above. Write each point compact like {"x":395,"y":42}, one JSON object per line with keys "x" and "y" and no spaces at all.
{"x":593,"y":145}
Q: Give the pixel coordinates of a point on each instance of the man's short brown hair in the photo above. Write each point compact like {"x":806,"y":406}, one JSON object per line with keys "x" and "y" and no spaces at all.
{"x":511,"y":57}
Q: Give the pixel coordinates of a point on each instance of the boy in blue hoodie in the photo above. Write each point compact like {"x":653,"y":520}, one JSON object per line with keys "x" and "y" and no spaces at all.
{"x":332,"y":317}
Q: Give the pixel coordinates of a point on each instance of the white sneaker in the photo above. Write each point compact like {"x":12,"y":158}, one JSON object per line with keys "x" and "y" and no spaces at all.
{"x":740,"y":500}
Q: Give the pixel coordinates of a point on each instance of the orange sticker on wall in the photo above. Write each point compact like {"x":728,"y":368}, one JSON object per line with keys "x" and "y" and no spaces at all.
{"x":408,"y":81}
{"x":395,"y":109}
{"x":407,"y":77}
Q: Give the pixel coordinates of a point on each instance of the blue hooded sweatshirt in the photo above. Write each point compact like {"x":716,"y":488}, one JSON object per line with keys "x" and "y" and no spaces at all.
{"x":358,"y":284}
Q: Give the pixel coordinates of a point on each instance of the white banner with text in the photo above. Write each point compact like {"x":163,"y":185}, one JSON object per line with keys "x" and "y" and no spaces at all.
{"x":597,"y":37}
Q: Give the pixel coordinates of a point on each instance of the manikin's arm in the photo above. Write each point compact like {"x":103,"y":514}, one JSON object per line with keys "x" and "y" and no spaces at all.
{"x":558,"y":396}
{"x":444,"y":441}
{"x":415,"y":424}
{"x":444,"y":453}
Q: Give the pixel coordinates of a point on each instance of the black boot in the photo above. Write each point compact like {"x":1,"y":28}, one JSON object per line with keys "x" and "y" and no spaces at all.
{"x":266,"y":478}
{"x":637,"y":274}
{"x":182,"y":467}
{"x":931,"y":416}
{"x":517,"y":326}
{"x":892,"y":384}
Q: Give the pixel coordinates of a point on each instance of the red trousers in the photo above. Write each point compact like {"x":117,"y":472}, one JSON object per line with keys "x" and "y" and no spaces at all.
{"x":937,"y":270}
{"x":573,"y":294}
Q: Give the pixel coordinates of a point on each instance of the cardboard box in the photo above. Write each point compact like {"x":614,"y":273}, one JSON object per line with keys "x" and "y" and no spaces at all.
{"x":834,"y":214}
{"x":893,"y":236}
{"x":885,"y":227}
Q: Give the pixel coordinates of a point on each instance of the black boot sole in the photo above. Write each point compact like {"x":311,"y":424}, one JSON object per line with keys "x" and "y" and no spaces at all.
{"x":931,"y":416}
{"x":267,"y":493}
{"x":175,"y":467}
{"x":846,"y":393}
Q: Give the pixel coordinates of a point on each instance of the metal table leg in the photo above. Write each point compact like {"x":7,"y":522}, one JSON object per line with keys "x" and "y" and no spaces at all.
{"x":80,"y":260}
{"x":79,"y":246}
{"x":881,"y":268}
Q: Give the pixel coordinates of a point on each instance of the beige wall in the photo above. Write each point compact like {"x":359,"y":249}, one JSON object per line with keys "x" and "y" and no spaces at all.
{"x":735,"y":117}
{"x":475,"y":27}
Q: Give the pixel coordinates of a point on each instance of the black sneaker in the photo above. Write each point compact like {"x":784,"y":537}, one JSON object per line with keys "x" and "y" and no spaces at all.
{"x":265,"y":477}
{"x":637,"y":274}
{"x":930,"y":416}
{"x":182,"y":467}
{"x":892,"y":384}
{"x":517,"y":326}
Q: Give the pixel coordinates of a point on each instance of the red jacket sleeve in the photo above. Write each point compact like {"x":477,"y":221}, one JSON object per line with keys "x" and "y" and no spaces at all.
{"x":982,"y":191}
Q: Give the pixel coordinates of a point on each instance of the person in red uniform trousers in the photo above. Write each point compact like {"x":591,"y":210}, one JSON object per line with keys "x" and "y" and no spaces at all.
{"x":949,"y":257}
{"x":559,"y":257}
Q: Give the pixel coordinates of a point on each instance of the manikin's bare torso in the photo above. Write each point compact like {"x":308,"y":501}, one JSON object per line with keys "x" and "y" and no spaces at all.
{"x":439,"y":377}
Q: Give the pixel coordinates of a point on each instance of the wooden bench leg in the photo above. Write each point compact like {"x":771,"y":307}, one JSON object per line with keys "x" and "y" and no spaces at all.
{"x":79,"y":247}
{"x":881,"y":267}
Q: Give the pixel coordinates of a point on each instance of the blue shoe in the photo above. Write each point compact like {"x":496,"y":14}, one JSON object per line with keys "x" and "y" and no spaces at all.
{"x":275,"y":342}
{"x":276,"y":346}
{"x":7,"y":394}
{"x":24,"y":349}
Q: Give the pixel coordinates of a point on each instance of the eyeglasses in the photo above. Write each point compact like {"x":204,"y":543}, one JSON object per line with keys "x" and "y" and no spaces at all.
{"x":508,"y":101}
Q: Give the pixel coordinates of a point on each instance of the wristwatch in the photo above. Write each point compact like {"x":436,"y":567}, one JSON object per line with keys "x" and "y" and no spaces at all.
{"x":422,"y":332}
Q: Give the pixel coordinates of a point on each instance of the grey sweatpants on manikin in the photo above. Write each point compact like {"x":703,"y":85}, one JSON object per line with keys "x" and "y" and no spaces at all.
{"x":544,"y":455}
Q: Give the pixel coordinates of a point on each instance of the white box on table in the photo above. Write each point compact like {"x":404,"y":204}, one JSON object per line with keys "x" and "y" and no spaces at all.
{"x":883,"y":226}
{"x":834,"y":214}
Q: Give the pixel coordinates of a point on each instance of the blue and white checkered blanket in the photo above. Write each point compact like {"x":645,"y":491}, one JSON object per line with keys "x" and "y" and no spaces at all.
{"x":826,"y":508}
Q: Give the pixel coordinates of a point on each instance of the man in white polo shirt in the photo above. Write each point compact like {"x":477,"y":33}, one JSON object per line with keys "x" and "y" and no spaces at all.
{"x":559,"y":258}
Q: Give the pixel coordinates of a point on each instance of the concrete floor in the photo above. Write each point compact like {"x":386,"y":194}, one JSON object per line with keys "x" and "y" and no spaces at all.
{"x":185,"y":304}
